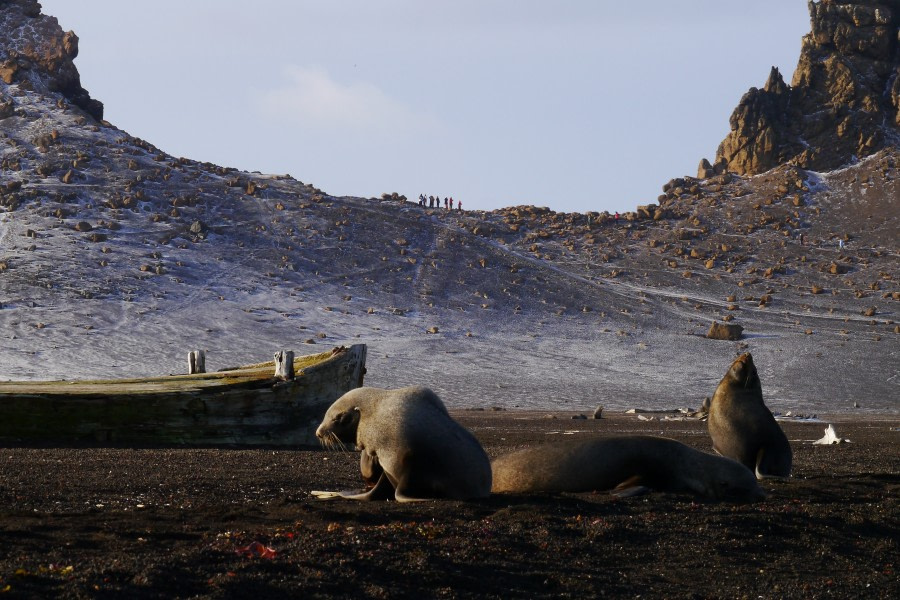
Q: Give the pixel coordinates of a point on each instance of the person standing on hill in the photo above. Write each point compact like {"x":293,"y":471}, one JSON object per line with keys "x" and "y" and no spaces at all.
{"x":451,"y":202}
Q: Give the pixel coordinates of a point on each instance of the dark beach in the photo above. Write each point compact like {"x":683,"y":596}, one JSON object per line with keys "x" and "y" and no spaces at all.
{"x":220,"y":522}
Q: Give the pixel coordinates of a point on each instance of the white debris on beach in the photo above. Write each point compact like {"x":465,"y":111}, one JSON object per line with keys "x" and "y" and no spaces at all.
{"x":830,"y":437}
{"x":673,"y":414}
{"x":789,"y":416}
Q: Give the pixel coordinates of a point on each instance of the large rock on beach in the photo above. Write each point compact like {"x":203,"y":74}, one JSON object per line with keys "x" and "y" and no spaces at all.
{"x":725,"y":331}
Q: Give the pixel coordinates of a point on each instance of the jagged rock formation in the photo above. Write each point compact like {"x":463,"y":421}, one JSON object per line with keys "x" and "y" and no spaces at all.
{"x":843,"y":101}
{"x":38,"y":54}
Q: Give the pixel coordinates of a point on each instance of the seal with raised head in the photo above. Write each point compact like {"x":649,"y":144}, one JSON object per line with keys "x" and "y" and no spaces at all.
{"x":411,"y":448}
{"x":743,"y":428}
{"x":627,"y":465}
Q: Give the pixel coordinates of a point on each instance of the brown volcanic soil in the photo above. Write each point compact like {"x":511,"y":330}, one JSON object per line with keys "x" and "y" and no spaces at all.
{"x":161,"y":523}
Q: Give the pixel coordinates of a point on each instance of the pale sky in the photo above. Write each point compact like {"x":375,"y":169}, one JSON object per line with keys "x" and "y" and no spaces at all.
{"x":577,"y":105}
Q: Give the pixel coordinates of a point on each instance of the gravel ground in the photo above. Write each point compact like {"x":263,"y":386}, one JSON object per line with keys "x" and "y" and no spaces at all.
{"x":217,"y":523}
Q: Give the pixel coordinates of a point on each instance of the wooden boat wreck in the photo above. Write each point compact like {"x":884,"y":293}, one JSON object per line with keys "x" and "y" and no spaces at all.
{"x":277,"y":403}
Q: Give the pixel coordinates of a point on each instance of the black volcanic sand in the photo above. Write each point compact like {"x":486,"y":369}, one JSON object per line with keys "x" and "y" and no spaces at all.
{"x":160,"y":523}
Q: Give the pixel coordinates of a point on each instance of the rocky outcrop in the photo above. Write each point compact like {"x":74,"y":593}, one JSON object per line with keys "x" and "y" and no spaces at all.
{"x":759,"y":138}
{"x":843,"y":102}
{"x":37,"y":54}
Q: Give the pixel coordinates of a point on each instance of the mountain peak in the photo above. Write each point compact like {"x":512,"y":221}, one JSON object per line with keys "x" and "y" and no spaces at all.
{"x":843,"y":102}
{"x":775,"y":83}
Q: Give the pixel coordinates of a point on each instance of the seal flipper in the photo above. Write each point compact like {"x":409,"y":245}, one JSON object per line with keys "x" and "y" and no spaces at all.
{"x":766,"y":470}
{"x":401,"y":494}
{"x":370,"y":468}
{"x":322,"y":495}
{"x":630,"y":487}
{"x":383,"y":490}
{"x":400,"y":497}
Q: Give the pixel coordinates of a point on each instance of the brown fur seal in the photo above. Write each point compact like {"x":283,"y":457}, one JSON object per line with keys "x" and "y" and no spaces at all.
{"x":411,"y":449}
{"x":627,"y":465}
{"x":743,"y":428}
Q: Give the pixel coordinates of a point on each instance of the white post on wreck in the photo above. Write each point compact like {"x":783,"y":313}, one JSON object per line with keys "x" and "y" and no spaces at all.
{"x":196,"y":362}
{"x":284,"y":365}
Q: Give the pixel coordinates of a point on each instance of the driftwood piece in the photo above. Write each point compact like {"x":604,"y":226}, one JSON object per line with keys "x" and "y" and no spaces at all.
{"x":196,"y":362}
{"x":284,"y":365}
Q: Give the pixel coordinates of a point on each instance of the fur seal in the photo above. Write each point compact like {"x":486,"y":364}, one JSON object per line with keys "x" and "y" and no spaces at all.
{"x":627,"y":465}
{"x":411,"y":448}
{"x":743,"y":428}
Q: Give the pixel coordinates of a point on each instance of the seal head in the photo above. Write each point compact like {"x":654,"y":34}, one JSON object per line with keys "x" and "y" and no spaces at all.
{"x":743,"y":428}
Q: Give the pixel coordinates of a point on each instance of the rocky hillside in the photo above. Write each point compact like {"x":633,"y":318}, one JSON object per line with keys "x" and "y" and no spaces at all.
{"x":117,"y":258}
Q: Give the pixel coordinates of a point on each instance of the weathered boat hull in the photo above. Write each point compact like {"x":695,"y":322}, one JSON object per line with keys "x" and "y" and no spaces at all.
{"x":243,"y":406}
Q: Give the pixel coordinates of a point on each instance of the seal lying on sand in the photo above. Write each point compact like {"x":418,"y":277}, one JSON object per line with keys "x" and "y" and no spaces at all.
{"x":627,"y":465}
{"x":411,"y":448}
{"x":743,"y":428}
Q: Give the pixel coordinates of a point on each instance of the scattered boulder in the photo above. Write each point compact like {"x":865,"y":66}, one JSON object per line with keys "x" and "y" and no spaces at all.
{"x":393,"y":197}
{"x":705,"y":170}
{"x":720,"y":331}
{"x":8,"y":70}
{"x":7,"y":107}
{"x":647,"y":211}
{"x":704,"y":407}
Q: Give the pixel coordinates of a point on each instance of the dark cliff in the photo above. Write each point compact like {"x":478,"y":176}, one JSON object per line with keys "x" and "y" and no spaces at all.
{"x":36,"y":53}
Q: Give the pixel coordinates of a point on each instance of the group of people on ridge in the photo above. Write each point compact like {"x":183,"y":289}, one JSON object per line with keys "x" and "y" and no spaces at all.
{"x":435,"y":202}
